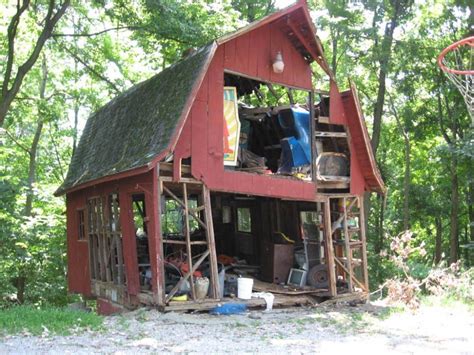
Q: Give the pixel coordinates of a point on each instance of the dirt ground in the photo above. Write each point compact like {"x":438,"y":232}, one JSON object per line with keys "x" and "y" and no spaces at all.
{"x":370,"y":328}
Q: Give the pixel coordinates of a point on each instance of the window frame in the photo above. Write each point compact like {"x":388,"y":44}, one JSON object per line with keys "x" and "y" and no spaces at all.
{"x":81,"y":225}
{"x":237,"y":226}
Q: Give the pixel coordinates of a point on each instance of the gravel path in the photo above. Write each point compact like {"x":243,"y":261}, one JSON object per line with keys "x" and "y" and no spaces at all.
{"x":367,"y":328}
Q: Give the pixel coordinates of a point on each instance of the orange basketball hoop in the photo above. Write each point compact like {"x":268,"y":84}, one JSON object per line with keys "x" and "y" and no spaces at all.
{"x":457,"y":61}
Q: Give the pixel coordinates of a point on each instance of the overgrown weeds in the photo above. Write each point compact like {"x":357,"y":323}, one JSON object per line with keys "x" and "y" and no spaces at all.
{"x":451,"y":282}
{"x":46,"y":321}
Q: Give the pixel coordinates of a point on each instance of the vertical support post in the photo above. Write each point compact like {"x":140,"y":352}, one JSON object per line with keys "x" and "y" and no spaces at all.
{"x":347,"y":246}
{"x":329,"y":248}
{"x":360,"y":202}
{"x":187,"y":235}
{"x":211,"y":242}
{"x":117,"y":234}
{"x":312,"y":130}
{"x":160,"y":266}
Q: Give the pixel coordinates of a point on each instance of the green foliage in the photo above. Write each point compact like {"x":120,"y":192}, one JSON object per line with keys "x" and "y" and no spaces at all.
{"x":48,"y":320}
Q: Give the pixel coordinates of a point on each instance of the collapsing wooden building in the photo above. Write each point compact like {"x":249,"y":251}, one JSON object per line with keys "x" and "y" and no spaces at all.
{"x":182,"y":177}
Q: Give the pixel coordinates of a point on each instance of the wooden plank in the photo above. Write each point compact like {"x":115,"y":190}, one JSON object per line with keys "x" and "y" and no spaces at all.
{"x":314,"y":153}
{"x":341,"y":217}
{"x":182,"y":242}
{"x":211,"y":243}
{"x":329,"y":248}
{"x":262,"y":286}
{"x":320,"y":134}
{"x":364,"y":242}
{"x":347,"y":247}
{"x":159,"y":297}
{"x":361,"y":285}
{"x":187,"y":237}
{"x":101,"y":247}
{"x":116,"y":221}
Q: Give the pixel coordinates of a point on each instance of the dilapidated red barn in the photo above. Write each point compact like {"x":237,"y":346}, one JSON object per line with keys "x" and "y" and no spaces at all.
{"x":164,"y":186}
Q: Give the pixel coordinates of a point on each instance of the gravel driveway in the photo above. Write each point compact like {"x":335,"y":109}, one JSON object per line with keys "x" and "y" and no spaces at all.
{"x":370,"y":328}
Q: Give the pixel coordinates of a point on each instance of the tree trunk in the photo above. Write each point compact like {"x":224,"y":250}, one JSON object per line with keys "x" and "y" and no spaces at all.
{"x":406,"y":183}
{"x":32,"y":164}
{"x":454,"y":232}
{"x":438,"y":240}
{"x":384,"y":62}
{"x":32,"y":169}
{"x":470,"y":206}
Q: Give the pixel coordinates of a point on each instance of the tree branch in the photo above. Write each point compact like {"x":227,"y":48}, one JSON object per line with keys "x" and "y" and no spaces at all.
{"x":12,"y":28}
{"x":133,"y":28}
{"x":50,"y":21}
{"x":92,"y":70}
{"x":20,"y":145}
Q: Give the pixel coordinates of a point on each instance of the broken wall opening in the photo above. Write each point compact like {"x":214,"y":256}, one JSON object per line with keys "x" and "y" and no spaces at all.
{"x":274,"y":126}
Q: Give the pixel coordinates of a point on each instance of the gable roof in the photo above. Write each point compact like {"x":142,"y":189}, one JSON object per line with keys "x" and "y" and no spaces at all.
{"x":144,"y":122}
{"x":296,"y":22}
{"x":136,"y":126}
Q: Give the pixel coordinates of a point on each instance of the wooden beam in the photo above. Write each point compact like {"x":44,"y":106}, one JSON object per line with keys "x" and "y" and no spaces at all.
{"x":211,"y":243}
{"x":347,"y":246}
{"x":187,"y":236}
{"x":310,"y":50}
{"x":361,"y":285}
{"x":364,"y":241}
{"x":188,"y":274}
{"x":181,"y":203}
{"x":329,"y":248}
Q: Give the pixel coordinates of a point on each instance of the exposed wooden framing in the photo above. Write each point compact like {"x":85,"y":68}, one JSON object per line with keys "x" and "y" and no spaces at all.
{"x":314,"y":153}
{"x":211,"y":243}
{"x":158,"y":190}
{"x":347,"y":246}
{"x":118,"y":238}
{"x":168,"y":167}
{"x":364,"y":242}
{"x":187,"y":237}
{"x":308,"y":48}
{"x":188,"y":274}
{"x":330,"y":134}
{"x":205,"y":221}
{"x":233,"y":72}
{"x":349,"y":273}
{"x":181,"y":203}
{"x":341,"y":217}
{"x":329,"y":252}
{"x":289,"y":92}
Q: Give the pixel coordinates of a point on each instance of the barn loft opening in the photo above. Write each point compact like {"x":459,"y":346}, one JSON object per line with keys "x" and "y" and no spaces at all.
{"x":277,"y":137}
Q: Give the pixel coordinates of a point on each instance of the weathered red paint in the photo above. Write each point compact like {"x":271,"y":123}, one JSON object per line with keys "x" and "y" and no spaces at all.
{"x":362,"y":149}
{"x":77,"y":250}
{"x":107,"y":308}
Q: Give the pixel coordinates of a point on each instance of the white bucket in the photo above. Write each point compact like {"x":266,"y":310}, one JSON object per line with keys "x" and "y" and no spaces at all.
{"x":244,"y":288}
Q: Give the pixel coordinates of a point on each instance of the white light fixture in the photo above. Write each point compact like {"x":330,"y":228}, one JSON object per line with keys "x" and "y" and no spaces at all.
{"x":278,"y":64}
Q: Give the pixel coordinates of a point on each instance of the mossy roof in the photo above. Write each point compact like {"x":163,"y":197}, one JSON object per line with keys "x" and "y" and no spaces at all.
{"x":136,"y":126}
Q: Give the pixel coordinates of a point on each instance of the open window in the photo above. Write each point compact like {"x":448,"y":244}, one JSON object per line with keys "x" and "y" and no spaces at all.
{"x":244,"y":220}
{"x":81,"y":219}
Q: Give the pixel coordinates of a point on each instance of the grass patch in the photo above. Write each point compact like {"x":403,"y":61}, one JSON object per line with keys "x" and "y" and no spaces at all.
{"x":46,"y":320}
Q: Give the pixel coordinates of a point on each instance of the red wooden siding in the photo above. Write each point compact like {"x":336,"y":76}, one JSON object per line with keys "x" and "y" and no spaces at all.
{"x":77,"y":250}
{"x":78,"y":256}
{"x":360,"y":146}
{"x":252,"y":54}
